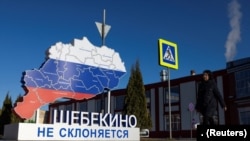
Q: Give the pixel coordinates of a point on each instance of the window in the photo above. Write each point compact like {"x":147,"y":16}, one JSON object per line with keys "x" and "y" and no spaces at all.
{"x":65,"y":113}
{"x":119,"y":102}
{"x":98,"y":105}
{"x":175,"y":122}
{"x":242,"y":79}
{"x":148,"y":96}
{"x":244,"y":116}
{"x":175,"y":93}
{"x":69,"y":107}
{"x":83,"y":106}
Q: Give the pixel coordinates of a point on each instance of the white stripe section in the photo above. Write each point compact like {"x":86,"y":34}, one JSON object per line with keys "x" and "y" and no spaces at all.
{"x":83,"y":52}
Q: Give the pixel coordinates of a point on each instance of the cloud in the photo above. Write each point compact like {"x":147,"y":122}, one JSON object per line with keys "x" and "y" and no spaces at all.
{"x":234,"y":35}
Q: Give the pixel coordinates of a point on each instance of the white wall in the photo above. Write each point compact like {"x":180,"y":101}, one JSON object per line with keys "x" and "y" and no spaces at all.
{"x":221,"y":110}
{"x":152,"y":106}
{"x":161,"y":109}
{"x":188,"y":95}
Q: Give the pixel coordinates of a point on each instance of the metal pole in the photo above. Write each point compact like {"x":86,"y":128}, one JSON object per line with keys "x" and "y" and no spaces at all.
{"x":108,"y":101}
{"x":191,"y":117}
{"x":103,"y":28}
{"x":169,"y":105}
{"x":103,"y":103}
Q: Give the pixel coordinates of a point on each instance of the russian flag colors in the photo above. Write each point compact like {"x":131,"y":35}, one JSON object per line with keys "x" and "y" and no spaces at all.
{"x":76,"y":71}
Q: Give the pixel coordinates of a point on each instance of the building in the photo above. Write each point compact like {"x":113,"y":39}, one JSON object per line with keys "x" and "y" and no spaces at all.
{"x":238,"y":92}
{"x":42,"y":117}
{"x":233,"y":83}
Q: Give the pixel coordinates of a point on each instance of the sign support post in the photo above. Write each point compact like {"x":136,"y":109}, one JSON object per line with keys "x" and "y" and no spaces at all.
{"x":169,"y":105}
{"x":191,"y":109}
{"x":168,"y":57}
{"x":103,"y":30}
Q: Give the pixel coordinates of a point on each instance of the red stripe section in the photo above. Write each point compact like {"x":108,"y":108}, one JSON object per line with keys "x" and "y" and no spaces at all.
{"x":37,"y":97}
{"x":48,"y":95}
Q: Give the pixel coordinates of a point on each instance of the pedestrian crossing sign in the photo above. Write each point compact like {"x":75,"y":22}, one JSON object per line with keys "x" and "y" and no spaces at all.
{"x":168,"y":55}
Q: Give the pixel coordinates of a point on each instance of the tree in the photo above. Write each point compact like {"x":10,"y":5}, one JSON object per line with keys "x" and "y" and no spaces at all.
{"x":135,"y":100}
{"x":15,"y":118}
{"x":6,"y":115}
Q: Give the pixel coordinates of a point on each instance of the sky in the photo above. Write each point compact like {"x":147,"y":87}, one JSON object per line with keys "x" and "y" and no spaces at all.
{"x":208,"y":34}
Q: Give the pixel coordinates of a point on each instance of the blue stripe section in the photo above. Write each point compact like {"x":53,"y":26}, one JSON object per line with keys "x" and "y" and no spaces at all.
{"x":68,"y":76}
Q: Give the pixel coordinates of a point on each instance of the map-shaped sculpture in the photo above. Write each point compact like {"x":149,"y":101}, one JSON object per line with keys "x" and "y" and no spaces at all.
{"x":76,"y":71}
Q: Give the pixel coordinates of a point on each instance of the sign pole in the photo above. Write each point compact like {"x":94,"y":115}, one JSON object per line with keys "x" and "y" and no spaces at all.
{"x":109,"y":101}
{"x":191,"y":117}
{"x":191,"y":109}
{"x":169,"y":105}
{"x":168,"y":57}
{"x":103,"y":30}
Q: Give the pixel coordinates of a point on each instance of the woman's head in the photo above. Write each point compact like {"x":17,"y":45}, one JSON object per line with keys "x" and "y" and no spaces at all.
{"x":207,"y":75}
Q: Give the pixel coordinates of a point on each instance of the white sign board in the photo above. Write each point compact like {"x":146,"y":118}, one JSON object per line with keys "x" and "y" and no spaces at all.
{"x":31,"y":131}
{"x":77,"y":125}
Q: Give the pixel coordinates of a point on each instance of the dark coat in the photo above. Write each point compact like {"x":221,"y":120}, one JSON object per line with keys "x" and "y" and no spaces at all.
{"x":208,"y":98}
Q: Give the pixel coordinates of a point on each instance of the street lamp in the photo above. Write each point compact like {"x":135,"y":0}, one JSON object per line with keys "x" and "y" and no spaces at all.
{"x":165,"y":75}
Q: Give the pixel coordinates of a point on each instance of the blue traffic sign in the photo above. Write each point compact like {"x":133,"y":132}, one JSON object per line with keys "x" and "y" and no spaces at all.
{"x":168,"y":55}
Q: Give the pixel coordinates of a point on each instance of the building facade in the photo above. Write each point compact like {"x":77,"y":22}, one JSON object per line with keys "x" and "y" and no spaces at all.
{"x":233,"y":83}
{"x":238,"y":92}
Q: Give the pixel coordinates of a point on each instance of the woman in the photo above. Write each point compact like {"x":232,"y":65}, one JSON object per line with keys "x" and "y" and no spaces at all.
{"x":208,"y":97}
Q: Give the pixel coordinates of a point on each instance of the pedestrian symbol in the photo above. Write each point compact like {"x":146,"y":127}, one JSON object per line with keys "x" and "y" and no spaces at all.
{"x":168,"y":56}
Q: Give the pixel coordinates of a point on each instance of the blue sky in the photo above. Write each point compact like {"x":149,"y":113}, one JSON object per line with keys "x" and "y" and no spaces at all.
{"x":200,"y":29}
